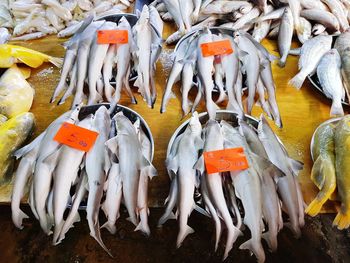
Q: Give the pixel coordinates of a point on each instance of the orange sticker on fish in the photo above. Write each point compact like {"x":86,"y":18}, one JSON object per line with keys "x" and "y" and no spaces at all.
{"x":76,"y":137}
{"x":112,"y":36}
{"x":222,"y":47}
{"x":226,"y":160}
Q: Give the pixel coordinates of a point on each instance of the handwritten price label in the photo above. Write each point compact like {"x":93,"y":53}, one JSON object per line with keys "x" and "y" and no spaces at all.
{"x":112,"y":37}
{"x":76,"y":137}
{"x":222,"y":47}
{"x":225,"y":160}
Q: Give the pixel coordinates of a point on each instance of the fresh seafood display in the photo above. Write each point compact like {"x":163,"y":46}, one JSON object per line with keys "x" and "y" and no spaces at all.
{"x":273,"y":19}
{"x":117,"y":167}
{"x":32,"y":19}
{"x":88,"y":61}
{"x":225,"y":73}
{"x":244,"y":196}
{"x":330,"y":151}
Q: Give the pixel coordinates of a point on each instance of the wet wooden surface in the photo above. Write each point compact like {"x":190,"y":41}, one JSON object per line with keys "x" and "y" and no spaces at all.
{"x":302,"y":111}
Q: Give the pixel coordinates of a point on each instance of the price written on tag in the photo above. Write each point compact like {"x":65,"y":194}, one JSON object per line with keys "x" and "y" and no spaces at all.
{"x":222,"y":47}
{"x":225,"y":160}
{"x":76,"y":137}
{"x":112,"y":37}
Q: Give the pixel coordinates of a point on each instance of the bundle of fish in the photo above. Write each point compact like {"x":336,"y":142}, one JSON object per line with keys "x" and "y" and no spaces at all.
{"x":249,"y":60}
{"x":55,"y":171}
{"x":330,"y":151}
{"x":273,"y":18}
{"x":31,"y":19}
{"x":256,"y":193}
{"x":88,"y":61}
{"x":332,"y":66}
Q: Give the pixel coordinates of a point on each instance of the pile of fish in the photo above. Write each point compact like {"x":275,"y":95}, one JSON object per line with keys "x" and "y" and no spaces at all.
{"x":32,"y":19}
{"x":332,"y":66}
{"x":116,"y":168}
{"x":249,"y":61}
{"x":254,"y":194}
{"x":330,"y":152}
{"x":273,"y":18}
{"x":87,"y":61}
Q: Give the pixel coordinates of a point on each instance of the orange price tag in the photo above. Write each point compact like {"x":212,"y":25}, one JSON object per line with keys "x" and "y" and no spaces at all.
{"x":222,"y":47}
{"x":225,"y":160}
{"x":112,"y":36}
{"x":76,"y":137}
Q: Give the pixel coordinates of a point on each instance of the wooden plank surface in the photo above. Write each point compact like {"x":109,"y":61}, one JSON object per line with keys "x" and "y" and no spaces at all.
{"x":302,"y":111}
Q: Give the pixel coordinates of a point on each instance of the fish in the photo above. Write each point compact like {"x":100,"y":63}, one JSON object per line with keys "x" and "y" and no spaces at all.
{"x":124,"y":145}
{"x":173,"y":7}
{"x":247,"y":188}
{"x":4,"y":35}
{"x":182,"y":165}
{"x":23,"y":174}
{"x":310,"y":55}
{"x":13,"y":133}
{"x":341,"y":146}
{"x":45,"y":165}
{"x":12,"y":54}
{"x":323,"y":17}
{"x":97,"y":55}
{"x":214,"y":140}
{"x":337,"y":9}
{"x":343,"y":47}
{"x":285,"y":35}
{"x":286,"y":185}
{"x":305,"y":34}
{"x":16,"y":94}
{"x":97,"y":165}
{"x":329,"y":75}
{"x":323,"y":172}
{"x":108,"y":65}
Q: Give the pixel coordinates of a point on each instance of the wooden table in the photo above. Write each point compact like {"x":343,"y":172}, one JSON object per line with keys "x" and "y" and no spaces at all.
{"x":302,"y":111}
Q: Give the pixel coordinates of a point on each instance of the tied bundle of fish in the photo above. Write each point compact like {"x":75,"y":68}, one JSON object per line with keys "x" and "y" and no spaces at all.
{"x":273,"y":18}
{"x":256,"y":194}
{"x":329,"y":173}
{"x":117,"y":167}
{"x":87,"y":61}
{"x":332,"y":66}
{"x":249,"y":61}
{"x":32,"y":19}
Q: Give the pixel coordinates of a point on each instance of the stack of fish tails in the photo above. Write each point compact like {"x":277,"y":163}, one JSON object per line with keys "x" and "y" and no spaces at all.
{"x":35,"y":19}
{"x":330,"y":149}
{"x":332,"y":66}
{"x":251,"y":197}
{"x":55,"y":169}
{"x":97,"y":64}
{"x":275,"y":19}
{"x":250,"y":61}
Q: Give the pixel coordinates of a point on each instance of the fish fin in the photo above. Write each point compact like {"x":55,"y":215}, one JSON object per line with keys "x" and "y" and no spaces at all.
{"x":166,"y":217}
{"x":53,"y":155}
{"x":337,"y":109}
{"x":270,"y":240}
{"x":172,"y":164}
{"x":298,"y":80}
{"x":342,"y":221}
{"x":56,"y":61}
{"x":112,"y":144}
{"x":144,"y":228}
{"x":183,"y":233}
{"x":268,"y":166}
{"x":19,"y":219}
{"x":296,"y":166}
{"x":242,"y":53}
{"x":201,"y":210}
{"x":256,"y":248}
{"x":110,"y":227}
{"x":199,"y":165}
{"x":150,"y":171}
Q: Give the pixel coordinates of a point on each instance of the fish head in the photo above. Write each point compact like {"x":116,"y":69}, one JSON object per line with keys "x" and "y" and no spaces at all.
{"x":144,"y":16}
{"x":212,"y":127}
{"x":264,"y":129}
{"x":194,"y":124}
{"x":75,"y":113}
{"x":123,"y":124}
{"x":102,"y":117}
{"x":124,"y":23}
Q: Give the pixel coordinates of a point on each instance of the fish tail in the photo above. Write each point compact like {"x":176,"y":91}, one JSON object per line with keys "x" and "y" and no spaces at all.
{"x":271,"y":240}
{"x":17,"y":218}
{"x":294,"y":228}
{"x":166,"y":217}
{"x":298,"y":80}
{"x":56,"y":234}
{"x":56,"y":61}
{"x":217,"y":233}
{"x":337,"y":108}
{"x":144,"y":228}
{"x":96,"y":234}
{"x":255,"y":247}
{"x":314,"y":207}
{"x":232,"y":234}
{"x":282,"y":61}
{"x":342,"y":220}
{"x":183,"y":233}
{"x":110,"y":227}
